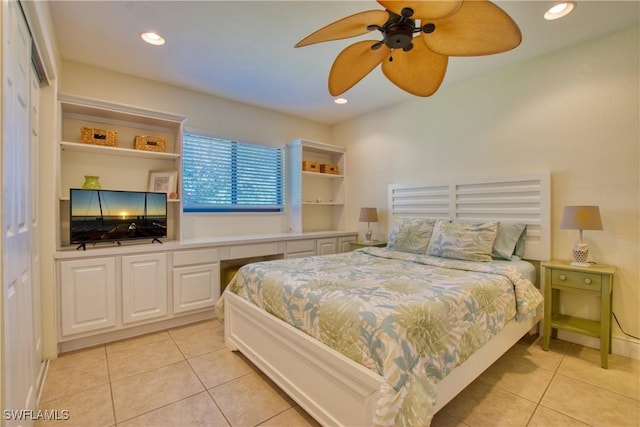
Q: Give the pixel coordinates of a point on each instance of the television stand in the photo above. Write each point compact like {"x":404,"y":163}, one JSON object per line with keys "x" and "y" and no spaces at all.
{"x":155,"y":239}
{"x":83,"y":246}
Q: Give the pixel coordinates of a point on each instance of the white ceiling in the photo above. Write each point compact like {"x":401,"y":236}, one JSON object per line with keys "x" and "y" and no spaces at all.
{"x":243,"y":50}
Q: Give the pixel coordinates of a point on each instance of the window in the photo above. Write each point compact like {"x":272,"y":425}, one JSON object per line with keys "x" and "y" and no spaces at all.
{"x":227,"y":176}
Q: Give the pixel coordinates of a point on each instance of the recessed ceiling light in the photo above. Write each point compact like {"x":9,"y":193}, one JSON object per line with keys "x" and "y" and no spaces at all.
{"x":559,"y":10}
{"x":341,"y":100}
{"x":152,"y":38}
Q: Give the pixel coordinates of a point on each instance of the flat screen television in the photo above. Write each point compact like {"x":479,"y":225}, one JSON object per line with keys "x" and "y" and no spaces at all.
{"x":116,"y":216}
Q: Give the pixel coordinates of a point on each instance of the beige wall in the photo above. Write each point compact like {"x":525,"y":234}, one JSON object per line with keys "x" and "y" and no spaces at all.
{"x":574,"y":113}
{"x":215,"y":116}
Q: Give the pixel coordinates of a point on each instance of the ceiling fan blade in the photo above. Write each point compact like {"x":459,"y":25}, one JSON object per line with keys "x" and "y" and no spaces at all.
{"x":353,"y":63}
{"x":419,"y":71}
{"x":478,"y":28}
{"x":434,"y":9}
{"x":351,"y":26}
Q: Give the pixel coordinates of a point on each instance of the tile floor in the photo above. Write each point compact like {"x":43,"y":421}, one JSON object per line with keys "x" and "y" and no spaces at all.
{"x":186,"y":377}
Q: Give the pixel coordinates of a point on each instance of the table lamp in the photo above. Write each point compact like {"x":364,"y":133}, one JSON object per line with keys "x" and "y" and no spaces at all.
{"x":368,"y":215}
{"x":581,"y":218}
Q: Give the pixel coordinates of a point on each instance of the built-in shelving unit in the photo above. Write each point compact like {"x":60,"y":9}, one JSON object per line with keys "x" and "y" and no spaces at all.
{"x":121,"y":167}
{"x":316,"y":199}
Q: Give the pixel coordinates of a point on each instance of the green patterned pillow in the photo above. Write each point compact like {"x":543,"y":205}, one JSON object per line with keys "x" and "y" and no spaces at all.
{"x":410,"y":234}
{"x":463,"y":240}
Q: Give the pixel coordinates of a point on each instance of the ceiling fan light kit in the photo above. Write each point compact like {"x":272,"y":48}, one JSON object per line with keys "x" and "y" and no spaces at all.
{"x":418,"y":37}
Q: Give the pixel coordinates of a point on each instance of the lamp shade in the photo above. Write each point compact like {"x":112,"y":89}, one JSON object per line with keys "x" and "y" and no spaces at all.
{"x":368,"y":215}
{"x":581,"y":218}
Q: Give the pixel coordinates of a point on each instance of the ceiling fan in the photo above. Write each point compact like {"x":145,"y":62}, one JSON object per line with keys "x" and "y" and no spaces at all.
{"x":416,"y":64}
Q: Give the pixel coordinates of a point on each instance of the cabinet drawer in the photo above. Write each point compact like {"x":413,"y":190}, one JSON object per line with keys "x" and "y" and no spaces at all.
{"x":575,"y":279}
{"x":301,"y":246}
{"x":200,"y":256}
{"x":258,"y":249}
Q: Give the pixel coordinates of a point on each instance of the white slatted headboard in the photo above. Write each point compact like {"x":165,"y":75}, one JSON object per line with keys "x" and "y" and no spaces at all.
{"x":521,"y":199}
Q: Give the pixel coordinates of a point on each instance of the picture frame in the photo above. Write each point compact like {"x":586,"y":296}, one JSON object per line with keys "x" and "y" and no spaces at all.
{"x":164,"y":181}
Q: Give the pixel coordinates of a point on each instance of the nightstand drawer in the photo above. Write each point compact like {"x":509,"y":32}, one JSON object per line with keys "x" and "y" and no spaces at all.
{"x":576,"y":279}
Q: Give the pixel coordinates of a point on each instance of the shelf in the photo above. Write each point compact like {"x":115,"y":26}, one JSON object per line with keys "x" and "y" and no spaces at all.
{"x":122,"y":167}
{"x":316,"y":199}
{"x":576,"y":324}
{"x":322,"y":175}
{"x":322,"y":204}
{"x":115,"y":151}
{"x":110,"y":112}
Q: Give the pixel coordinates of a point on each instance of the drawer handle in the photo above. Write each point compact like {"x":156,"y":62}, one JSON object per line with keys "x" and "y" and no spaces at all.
{"x":587,"y":281}
{"x":563,"y":277}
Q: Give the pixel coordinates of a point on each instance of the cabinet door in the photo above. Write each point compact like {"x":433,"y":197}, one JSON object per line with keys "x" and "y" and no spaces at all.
{"x":87,"y":295}
{"x":327,"y":246}
{"x":195,"y":287}
{"x":344,"y":243}
{"x":144,"y":287}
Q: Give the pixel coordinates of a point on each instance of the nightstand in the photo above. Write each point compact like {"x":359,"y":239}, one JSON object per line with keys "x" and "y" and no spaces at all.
{"x":595,"y":280}
{"x":373,"y":243}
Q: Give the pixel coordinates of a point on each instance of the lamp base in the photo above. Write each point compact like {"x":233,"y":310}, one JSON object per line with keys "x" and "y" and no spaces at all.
{"x":580,"y":255}
{"x":580,"y":264}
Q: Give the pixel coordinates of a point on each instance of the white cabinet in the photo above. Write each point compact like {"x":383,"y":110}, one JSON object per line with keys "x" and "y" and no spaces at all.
{"x":316,"y":198}
{"x":327,"y":246}
{"x":344,"y":243}
{"x":196,"y":279}
{"x":121,"y":167}
{"x":195,"y":287}
{"x":87,"y":295}
{"x":123,"y":291}
{"x":321,"y":246}
{"x":300,"y":248}
{"x":144,"y":287}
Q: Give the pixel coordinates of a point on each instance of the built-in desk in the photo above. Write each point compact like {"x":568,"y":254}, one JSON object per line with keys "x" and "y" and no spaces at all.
{"x":112,"y":292}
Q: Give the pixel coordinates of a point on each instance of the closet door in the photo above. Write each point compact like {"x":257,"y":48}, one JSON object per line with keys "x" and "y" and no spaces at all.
{"x":17,"y":270}
{"x":38,"y":361}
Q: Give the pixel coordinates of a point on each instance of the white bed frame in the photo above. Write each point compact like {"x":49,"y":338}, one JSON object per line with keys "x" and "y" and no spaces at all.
{"x":337,"y":391}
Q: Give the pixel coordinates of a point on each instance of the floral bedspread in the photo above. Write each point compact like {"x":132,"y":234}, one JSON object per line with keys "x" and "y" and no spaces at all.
{"x":410,"y":318}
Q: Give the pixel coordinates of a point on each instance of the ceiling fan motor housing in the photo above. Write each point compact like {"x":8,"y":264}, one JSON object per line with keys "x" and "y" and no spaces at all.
{"x":399,"y":34}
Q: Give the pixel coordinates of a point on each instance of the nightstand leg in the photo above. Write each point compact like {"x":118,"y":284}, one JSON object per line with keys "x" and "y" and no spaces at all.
{"x":605,"y":324}
{"x":546,"y":330}
{"x":555,"y":308}
{"x":546,"y":339}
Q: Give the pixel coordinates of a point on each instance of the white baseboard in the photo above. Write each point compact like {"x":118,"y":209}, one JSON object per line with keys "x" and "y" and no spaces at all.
{"x":91,"y":340}
{"x":622,"y":346}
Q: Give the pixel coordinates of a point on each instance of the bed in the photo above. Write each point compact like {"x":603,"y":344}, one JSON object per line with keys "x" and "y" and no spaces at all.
{"x":325,"y":329}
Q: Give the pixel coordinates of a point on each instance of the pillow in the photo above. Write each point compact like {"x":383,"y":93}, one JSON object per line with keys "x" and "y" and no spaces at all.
{"x":519,"y":250}
{"x":463,"y":240}
{"x":507,"y":237}
{"x":410,"y":234}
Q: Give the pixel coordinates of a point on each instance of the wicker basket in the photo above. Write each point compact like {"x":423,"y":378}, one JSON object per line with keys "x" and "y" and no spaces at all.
{"x":309,"y":166}
{"x":150,"y":143}
{"x":97,"y":136}
{"x":332,"y":169}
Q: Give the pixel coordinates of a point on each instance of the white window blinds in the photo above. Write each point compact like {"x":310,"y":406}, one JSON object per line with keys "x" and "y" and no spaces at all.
{"x":227,"y":176}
